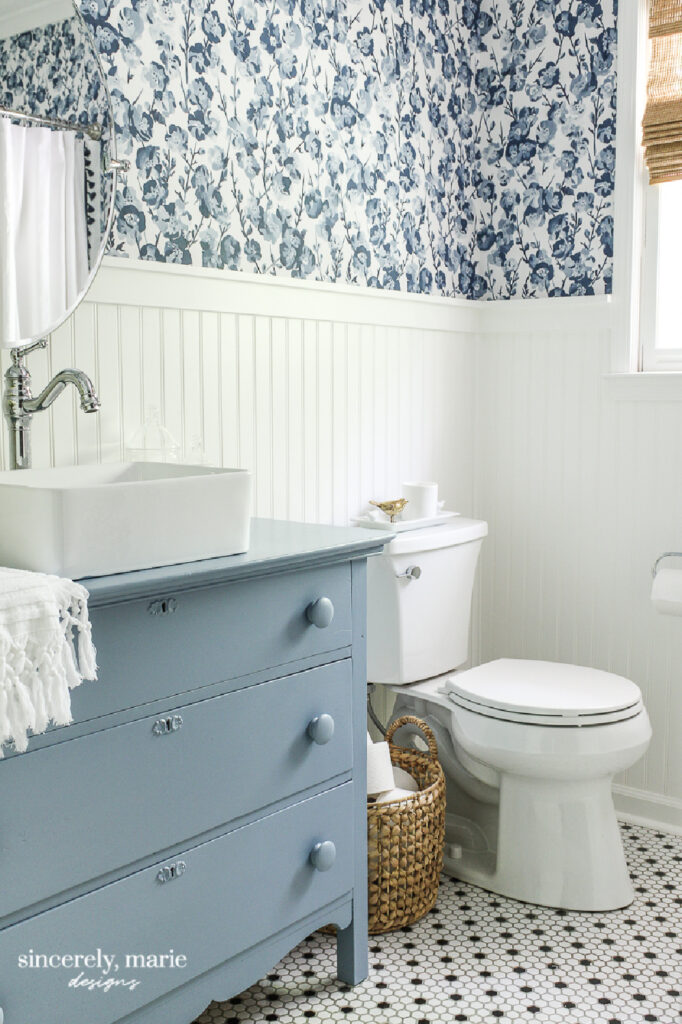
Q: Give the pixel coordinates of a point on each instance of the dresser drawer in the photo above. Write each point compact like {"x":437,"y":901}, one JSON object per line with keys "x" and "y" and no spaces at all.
{"x":76,"y":810}
{"x":219,"y":899}
{"x":176,"y":642}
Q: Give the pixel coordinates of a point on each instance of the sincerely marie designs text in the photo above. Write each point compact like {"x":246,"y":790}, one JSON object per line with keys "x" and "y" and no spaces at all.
{"x":99,"y":970}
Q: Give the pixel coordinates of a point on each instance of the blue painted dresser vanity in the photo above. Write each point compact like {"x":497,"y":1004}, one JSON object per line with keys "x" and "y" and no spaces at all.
{"x":209,"y":797}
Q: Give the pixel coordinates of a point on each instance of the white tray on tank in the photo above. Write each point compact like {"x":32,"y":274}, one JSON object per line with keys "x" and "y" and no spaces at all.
{"x":401,"y":525}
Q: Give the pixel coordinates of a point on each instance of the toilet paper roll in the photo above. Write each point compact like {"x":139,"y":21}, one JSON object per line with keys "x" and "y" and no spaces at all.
{"x":403,"y":780}
{"x":379,"y":769}
{"x":394,"y":794}
{"x":666,"y":592}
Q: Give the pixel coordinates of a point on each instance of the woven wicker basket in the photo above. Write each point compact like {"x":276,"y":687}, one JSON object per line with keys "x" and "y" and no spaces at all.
{"x":405,"y":839}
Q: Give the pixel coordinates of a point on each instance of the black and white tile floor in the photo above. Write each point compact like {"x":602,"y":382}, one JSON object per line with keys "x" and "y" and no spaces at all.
{"x":481,"y":958}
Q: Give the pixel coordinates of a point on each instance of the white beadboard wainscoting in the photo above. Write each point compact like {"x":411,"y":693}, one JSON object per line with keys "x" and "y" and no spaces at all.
{"x":334,"y":395}
{"x":330,"y":395}
{"x":580,"y":479}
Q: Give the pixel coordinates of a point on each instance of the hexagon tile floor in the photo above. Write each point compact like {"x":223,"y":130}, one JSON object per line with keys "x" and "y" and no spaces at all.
{"x":481,"y":958}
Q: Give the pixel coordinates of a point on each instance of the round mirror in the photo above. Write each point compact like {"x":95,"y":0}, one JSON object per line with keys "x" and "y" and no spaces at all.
{"x":57,"y":175}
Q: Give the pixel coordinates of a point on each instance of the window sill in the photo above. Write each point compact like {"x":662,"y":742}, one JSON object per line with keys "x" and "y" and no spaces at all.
{"x":662,"y":386}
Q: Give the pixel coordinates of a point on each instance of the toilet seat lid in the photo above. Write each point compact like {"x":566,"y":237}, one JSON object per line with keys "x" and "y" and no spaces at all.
{"x":533,"y":690}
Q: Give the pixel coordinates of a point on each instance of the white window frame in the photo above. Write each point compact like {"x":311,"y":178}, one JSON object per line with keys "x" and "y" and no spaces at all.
{"x":636,"y":215}
{"x":633,"y":24}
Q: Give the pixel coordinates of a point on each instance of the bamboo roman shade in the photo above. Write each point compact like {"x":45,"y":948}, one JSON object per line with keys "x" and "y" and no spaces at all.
{"x":662,"y":124}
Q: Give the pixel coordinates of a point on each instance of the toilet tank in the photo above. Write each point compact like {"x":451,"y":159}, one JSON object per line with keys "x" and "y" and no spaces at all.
{"x":419,"y":627}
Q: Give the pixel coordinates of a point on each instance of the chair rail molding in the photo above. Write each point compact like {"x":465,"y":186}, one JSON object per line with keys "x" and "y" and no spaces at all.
{"x":201,"y":289}
{"x":125,"y":282}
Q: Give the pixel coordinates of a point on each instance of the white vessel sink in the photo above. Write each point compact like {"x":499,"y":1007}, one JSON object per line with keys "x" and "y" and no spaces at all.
{"x":97,"y":520}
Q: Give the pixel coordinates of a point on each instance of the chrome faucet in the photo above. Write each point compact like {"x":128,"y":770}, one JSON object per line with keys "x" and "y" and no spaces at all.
{"x":19,"y":405}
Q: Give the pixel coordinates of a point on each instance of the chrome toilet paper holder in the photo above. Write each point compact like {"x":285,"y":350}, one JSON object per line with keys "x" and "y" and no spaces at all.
{"x":666,"y":554}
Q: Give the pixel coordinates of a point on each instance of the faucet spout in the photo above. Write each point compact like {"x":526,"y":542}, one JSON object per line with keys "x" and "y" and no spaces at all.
{"x":82,"y":383}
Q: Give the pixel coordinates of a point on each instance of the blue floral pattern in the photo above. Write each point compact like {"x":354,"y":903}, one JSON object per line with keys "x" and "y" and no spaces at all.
{"x":459,"y":147}
{"x":52,"y":71}
{"x":540,"y":135}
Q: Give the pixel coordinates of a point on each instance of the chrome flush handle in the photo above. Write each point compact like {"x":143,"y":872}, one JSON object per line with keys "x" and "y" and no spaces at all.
{"x":413,"y":572}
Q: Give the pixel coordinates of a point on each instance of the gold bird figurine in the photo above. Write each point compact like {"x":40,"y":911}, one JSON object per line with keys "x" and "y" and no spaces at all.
{"x":391,"y":508}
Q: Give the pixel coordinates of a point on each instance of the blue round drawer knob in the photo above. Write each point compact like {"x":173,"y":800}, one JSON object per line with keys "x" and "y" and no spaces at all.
{"x":320,"y":612}
{"x":321,"y":729}
{"x":323,"y":856}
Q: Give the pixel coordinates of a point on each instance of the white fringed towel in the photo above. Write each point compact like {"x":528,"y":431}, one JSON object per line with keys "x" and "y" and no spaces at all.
{"x":40,"y":662}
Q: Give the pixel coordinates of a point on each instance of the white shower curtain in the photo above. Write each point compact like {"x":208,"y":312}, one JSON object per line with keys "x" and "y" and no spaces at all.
{"x":43,"y":230}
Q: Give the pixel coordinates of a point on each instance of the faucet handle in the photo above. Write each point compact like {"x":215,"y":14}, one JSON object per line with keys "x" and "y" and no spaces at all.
{"x":23,"y":350}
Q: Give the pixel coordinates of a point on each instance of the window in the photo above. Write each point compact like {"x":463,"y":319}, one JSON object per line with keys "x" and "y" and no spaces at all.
{"x":661,"y":311}
{"x":661,"y":308}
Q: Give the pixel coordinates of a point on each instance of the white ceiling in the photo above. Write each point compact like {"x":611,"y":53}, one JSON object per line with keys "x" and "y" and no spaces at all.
{"x":16,"y":18}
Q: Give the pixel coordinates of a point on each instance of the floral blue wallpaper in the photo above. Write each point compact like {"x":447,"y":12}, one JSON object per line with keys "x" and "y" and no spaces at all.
{"x":461,"y":147}
{"x":52,"y":71}
{"x":539,"y":128}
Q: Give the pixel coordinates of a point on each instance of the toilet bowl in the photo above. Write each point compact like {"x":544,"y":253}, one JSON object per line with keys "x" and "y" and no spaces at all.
{"x":529,"y":748}
{"x":530,"y":813}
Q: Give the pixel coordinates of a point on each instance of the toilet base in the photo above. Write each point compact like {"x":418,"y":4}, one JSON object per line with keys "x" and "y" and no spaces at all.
{"x":536,"y":816}
{"x":558,"y":845}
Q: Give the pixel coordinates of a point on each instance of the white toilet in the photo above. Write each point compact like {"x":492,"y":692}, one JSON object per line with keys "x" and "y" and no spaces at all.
{"x":529,"y":748}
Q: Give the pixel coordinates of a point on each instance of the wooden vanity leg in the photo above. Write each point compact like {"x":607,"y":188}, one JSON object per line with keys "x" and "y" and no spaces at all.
{"x":351,"y":950}
{"x":352,"y":942}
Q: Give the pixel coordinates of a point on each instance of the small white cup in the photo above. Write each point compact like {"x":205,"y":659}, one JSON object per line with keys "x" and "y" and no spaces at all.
{"x":422,"y":500}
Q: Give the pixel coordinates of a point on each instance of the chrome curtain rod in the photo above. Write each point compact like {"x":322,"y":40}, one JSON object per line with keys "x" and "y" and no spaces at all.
{"x":94,"y":131}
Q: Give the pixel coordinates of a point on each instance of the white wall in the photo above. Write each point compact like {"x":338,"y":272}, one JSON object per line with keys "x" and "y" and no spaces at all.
{"x":333,"y":396}
{"x":580,"y":479}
